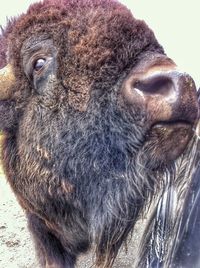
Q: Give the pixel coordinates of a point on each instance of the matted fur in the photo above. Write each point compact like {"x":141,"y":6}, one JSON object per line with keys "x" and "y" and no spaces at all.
{"x":72,"y":154}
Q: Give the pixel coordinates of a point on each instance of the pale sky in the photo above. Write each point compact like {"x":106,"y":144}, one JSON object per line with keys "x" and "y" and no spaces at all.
{"x":176,"y":24}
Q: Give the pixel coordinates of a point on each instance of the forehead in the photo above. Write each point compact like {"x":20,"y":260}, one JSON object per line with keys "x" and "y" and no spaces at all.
{"x":101,"y":39}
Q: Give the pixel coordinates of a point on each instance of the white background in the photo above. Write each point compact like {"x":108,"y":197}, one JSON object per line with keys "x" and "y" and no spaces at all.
{"x":176,"y":24}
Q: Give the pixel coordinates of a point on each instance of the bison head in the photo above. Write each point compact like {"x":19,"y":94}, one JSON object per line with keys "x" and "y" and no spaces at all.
{"x":96,"y":65}
{"x":87,"y":98}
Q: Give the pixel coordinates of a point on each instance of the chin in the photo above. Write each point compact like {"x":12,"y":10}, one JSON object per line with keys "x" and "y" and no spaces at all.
{"x":165,"y":142}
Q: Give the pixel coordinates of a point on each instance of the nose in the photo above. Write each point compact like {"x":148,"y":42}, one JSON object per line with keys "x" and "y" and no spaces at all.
{"x":163,"y":84}
{"x":165,"y":94}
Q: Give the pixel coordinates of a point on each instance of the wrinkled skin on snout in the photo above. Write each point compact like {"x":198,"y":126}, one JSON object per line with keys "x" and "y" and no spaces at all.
{"x":92,"y":110}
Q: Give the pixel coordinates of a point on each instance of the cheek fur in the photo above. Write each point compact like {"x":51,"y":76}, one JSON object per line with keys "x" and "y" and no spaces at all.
{"x":8,"y":116}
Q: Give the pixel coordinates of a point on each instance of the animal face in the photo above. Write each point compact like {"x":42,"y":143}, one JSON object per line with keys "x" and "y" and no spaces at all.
{"x":105,"y":59}
{"x":87,"y":98}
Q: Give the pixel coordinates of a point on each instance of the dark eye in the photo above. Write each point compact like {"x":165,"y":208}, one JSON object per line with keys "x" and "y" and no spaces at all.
{"x":39,"y":64}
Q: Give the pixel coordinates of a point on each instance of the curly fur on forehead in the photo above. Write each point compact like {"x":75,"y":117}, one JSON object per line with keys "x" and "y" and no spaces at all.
{"x":96,"y":41}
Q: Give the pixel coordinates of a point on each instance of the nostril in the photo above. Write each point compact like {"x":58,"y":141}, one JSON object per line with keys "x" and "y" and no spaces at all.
{"x":155,"y":85}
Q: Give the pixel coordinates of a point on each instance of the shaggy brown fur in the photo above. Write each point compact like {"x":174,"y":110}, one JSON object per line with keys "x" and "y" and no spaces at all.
{"x":79,"y":157}
{"x":91,"y":37}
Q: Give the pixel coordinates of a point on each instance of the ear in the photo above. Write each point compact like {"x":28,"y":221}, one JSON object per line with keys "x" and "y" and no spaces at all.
{"x":7,"y":105}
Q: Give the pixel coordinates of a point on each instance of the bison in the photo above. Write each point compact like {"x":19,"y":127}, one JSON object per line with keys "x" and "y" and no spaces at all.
{"x":94,"y":113}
